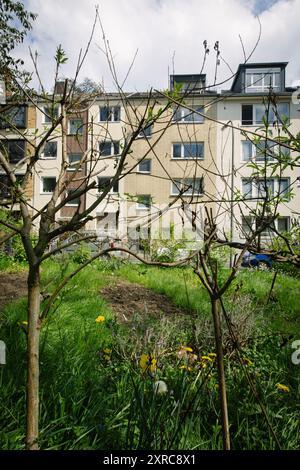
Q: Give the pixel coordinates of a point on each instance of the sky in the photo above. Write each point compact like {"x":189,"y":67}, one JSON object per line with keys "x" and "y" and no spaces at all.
{"x":165,"y":35}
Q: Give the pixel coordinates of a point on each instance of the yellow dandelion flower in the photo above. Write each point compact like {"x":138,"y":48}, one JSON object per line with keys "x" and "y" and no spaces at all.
{"x":148,"y":363}
{"x":187,"y":349}
{"x":247,"y":361}
{"x":282,"y":388}
{"x":185,"y":367}
{"x":213,"y":355}
{"x":100,"y":319}
{"x":206,"y":358}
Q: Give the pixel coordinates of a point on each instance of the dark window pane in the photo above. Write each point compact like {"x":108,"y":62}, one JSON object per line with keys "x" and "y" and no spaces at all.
{"x":176,"y":150}
{"x":116,"y":147}
{"x":75,"y":126}
{"x":15,"y":150}
{"x":105,"y":148}
{"x":283,"y":224}
{"x":50,"y":150}
{"x":75,"y":201}
{"x":105,"y":181}
{"x":74,"y":159}
{"x":194,"y":150}
{"x":48,"y":184}
{"x":104,"y":113}
{"x":50,"y":114}
{"x":110,"y":113}
{"x":116,"y":113}
{"x":247,"y":114}
{"x":15,"y":116}
{"x":145,"y":166}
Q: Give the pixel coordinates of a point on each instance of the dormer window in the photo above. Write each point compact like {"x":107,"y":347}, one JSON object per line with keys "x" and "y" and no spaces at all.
{"x":189,"y":84}
{"x":260,"y":80}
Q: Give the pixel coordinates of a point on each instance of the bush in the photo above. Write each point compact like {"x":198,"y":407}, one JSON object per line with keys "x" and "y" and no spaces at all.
{"x":82,"y":254}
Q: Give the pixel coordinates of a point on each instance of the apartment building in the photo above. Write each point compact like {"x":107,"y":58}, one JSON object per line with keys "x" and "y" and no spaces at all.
{"x":242,"y":111}
{"x":184,"y":158}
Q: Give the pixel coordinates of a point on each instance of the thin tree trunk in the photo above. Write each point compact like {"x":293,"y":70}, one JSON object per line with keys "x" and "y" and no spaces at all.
{"x":221,"y":373}
{"x":33,"y":337}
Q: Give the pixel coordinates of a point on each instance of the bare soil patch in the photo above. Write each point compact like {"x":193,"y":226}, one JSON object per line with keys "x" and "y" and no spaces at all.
{"x":127,"y":299}
{"x":12,"y":287}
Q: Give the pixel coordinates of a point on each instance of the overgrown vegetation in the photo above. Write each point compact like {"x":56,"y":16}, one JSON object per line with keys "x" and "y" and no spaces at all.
{"x":152,"y":384}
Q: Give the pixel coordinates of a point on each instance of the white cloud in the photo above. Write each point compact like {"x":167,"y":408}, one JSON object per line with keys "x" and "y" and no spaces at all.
{"x":161,"y":29}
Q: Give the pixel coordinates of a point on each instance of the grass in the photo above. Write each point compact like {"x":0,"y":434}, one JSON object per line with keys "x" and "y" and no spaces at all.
{"x":94,"y":394}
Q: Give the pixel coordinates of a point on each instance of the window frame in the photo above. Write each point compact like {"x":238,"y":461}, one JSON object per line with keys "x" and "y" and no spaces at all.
{"x":181,"y":115}
{"x":182,"y":150}
{"x":254,"y":88}
{"x":145,"y":172}
{"x":8,"y":142}
{"x":141,"y":206}
{"x":269,"y":231}
{"x":112,"y":114}
{"x":257,"y":188}
{"x":114,"y":144}
{"x":7,"y":125}
{"x":274,"y":149}
{"x":74,"y":168}
{"x":79,"y":131}
{"x":45,"y":117}
{"x":71,"y":203}
{"x":261,"y":107}
{"x":181,"y":182}
{"x":47,"y":193}
{"x":44,"y":154}
{"x":113,"y":188}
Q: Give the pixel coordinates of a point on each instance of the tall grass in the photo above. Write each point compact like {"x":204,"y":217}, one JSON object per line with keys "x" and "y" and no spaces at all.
{"x":94,"y":394}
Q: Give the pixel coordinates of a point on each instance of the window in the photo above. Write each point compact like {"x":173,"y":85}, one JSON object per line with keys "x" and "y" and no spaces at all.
{"x":74,"y":159}
{"x":75,"y":126}
{"x":104,"y":182}
{"x":146,"y":132}
{"x":262,"y":188}
{"x":253,"y":114}
{"x":50,"y":150}
{"x":74,"y":202}
{"x":189,"y":187}
{"x":14,"y":117}
{"x":48,"y":184}
{"x":5,"y":185}
{"x":144,"y":202}
{"x":50,"y":114}
{"x":265,"y":188}
{"x":145,"y":166}
{"x":247,"y":222}
{"x":247,"y":188}
{"x":262,"y":151}
{"x":15,"y":149}
{"x":281,"y":224}
{"x":108,"y":148}
{"x":182,"y":114}
{"x":260,"y":80}
{"x":110,"y":113}
{"x":193,"y":150}
{"x":284,"y":188}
